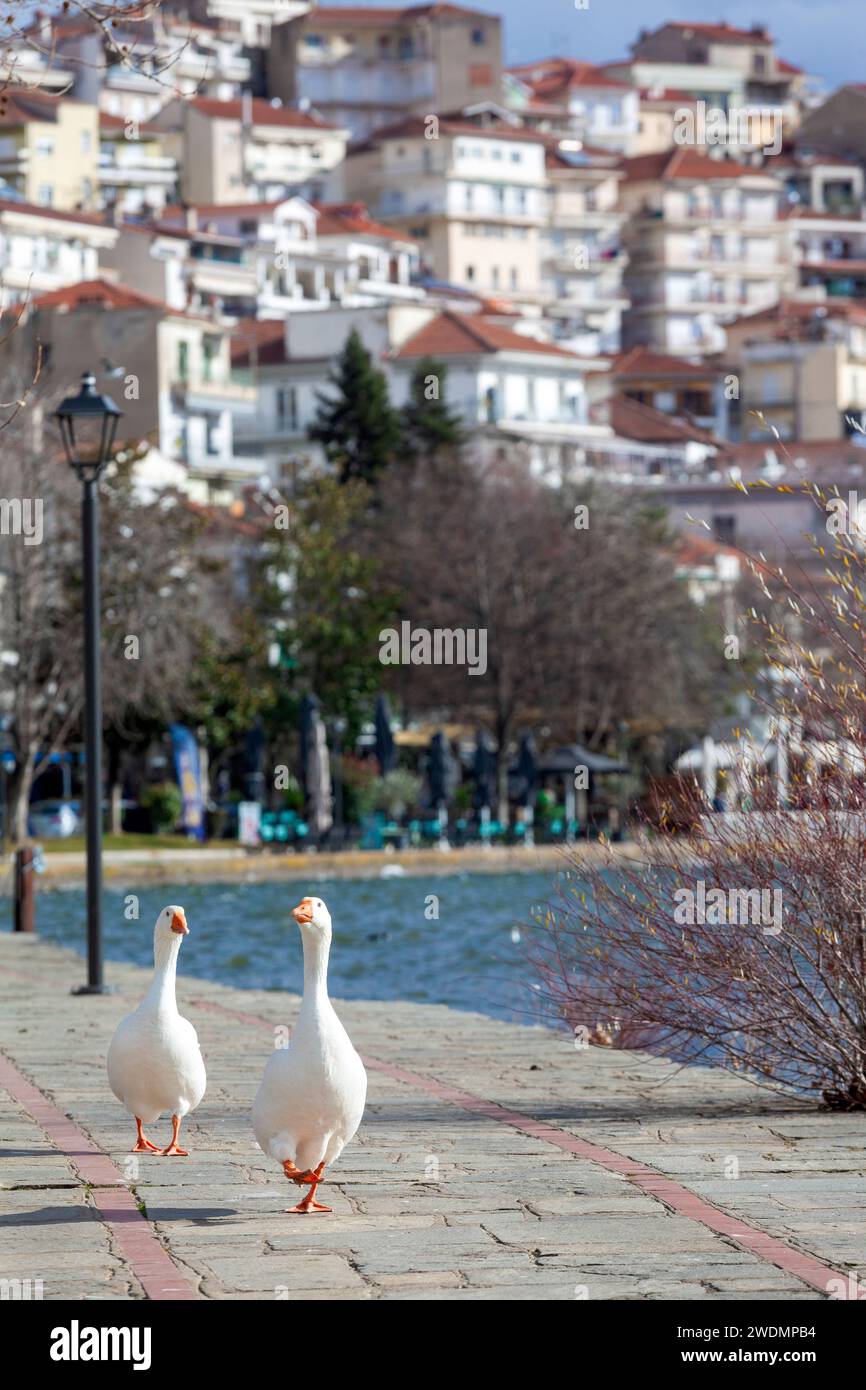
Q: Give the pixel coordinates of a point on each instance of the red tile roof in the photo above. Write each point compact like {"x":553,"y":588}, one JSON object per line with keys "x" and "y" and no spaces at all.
{"x":666,"y":95}
{"x":176,"y":212}
{"x":346,"y":16}
{"x":261,"y":111}
{"x":352,"y":219}
{"x":632,"y":420}
{"x":414,"y":126}
{"x":450,"y":334}
{"x":93,"y":219}
{"x":791,"y":315}
{"x":719,"y":33}
{"x":645,"y":362}
{"x":559,"y":75}
{"x":681,"y":163}
{"x":104,"y":292}
{"x":258,"y":340}
{"x":695,"y":551}
{"x":20,"y":105}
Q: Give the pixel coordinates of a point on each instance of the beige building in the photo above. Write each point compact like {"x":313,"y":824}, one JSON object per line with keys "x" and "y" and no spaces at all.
{"x":168,"y":370}
{"x":250,"y":148}
{"x":562,"y":96}
{"x":748,"y":56}
{"x":43,"y":249}
{"x":472,"y":196}
{"x":49,"y":149}
{"x":363,"y":67}
{"x":705,"y":245}
{"x":802,"y":371}
{"x":583,"y":260}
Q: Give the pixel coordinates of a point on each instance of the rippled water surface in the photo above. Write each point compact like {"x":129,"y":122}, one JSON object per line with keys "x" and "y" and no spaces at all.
{"x":384,"y":946}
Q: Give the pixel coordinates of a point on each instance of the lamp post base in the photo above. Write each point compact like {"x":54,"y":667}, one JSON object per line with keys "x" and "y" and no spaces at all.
{"x":94,"y":989}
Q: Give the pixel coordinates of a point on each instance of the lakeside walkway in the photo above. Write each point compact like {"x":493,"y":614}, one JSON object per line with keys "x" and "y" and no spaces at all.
{"x":494,"y":1161}
{"x":230,"y":863}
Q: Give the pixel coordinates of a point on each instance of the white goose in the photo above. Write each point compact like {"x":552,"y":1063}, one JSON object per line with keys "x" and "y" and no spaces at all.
{"x":312,"y":1095}
{"x":154,"y":1060}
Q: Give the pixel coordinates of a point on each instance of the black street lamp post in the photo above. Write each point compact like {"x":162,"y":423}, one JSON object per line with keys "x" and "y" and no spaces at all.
{"x":88,"y":423}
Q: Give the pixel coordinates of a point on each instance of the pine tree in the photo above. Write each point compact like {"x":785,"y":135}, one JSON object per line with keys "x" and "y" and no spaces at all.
{"x":428,"y":426}
{"x":358,"y":427}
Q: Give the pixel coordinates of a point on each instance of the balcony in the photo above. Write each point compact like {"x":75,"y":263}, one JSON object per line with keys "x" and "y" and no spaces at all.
{"x":198,"y":395}
{"x":367,"y":81}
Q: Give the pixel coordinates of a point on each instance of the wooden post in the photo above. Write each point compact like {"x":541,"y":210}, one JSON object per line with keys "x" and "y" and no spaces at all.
{"x":25,"y":917}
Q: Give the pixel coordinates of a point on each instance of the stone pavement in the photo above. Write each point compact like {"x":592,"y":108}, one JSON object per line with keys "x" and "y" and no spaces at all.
{"x":494,"y":1162}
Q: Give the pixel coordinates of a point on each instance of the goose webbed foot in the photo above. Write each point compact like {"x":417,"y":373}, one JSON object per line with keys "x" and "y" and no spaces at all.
{"x":174,"y":1147}
{"x":311,"y":1176}
{"x":143,"y":1145}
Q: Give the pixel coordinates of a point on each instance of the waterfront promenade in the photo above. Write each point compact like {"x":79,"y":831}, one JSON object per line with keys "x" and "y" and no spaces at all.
{"x":494,"y":1161}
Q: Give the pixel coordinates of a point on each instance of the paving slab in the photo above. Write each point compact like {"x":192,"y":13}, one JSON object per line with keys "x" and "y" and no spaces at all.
{"x":495,"y":1162}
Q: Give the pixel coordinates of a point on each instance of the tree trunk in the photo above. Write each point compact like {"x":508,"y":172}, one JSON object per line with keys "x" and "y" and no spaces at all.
{"x":20,"y":787}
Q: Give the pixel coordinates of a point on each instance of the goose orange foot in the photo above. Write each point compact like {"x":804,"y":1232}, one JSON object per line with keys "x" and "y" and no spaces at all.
{"x":174,"y":1147}
{"x":143,"y":1145}
{"x":309,"y":1202}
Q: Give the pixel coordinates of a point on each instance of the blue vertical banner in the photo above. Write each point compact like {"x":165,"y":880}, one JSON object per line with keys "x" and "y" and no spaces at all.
{"x":187,"y":766}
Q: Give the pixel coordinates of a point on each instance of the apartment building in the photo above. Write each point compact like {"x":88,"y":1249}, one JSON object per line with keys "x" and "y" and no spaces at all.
{"x":42,"y":249}
{"x":824,"y":183}
{"x":364,"y":67}
{"x":827,"y":253}
{"x":49,"y":149}
{"x":802,"y":370}
{"x":741,"y":63}
{"x":566,"y":97}
{"x":583,"y":259}
{"x":250,"y":21}
{"x":516,"y":393}
{"x":250,"y":148}
{"x":169,"y":371}
{"x":472,"y":196}
{"x":266,"y":260}
{"x":705,"y":244}
{"x":136,"y":177}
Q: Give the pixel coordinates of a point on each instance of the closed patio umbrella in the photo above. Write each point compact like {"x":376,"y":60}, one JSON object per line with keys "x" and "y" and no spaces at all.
{"x":386,"y":753}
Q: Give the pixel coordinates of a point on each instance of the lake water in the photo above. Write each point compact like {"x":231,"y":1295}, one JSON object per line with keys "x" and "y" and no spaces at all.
{"x":384,"y":947}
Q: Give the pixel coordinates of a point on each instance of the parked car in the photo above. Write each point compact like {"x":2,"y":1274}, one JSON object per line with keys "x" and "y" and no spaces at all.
{"x":54,"y":820}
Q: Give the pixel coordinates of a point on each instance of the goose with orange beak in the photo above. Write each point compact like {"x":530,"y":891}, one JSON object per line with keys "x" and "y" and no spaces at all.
{"x":154,"y":1060}
{"x":312,"y":1096}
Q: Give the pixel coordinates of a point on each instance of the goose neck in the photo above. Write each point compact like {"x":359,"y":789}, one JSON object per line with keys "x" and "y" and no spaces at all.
{"x":316,"y":951}
{"x":162,"y":991}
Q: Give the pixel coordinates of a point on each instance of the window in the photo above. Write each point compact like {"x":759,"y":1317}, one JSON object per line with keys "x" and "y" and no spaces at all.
{"x":314,"y":40}
{"x":516,"y":156}
{"x":488,"y":405}
{"x":470,"y":274}
{"x":479,"y":36}
{"x":521,"y":200}
{"x":208,"y":355}
{"x":725,"y":529}
{"x":494,"y":278}
{"x":514,"y":277}
{"x":45,"y":195}
{"x":85,"y":142}
{"x":45,"y":145}
{"x":183,"y":361}
{"x":769,"y":389}
{"x":287,"y":408}
{"x":212,"y":428}
{"x":469,"y":196}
